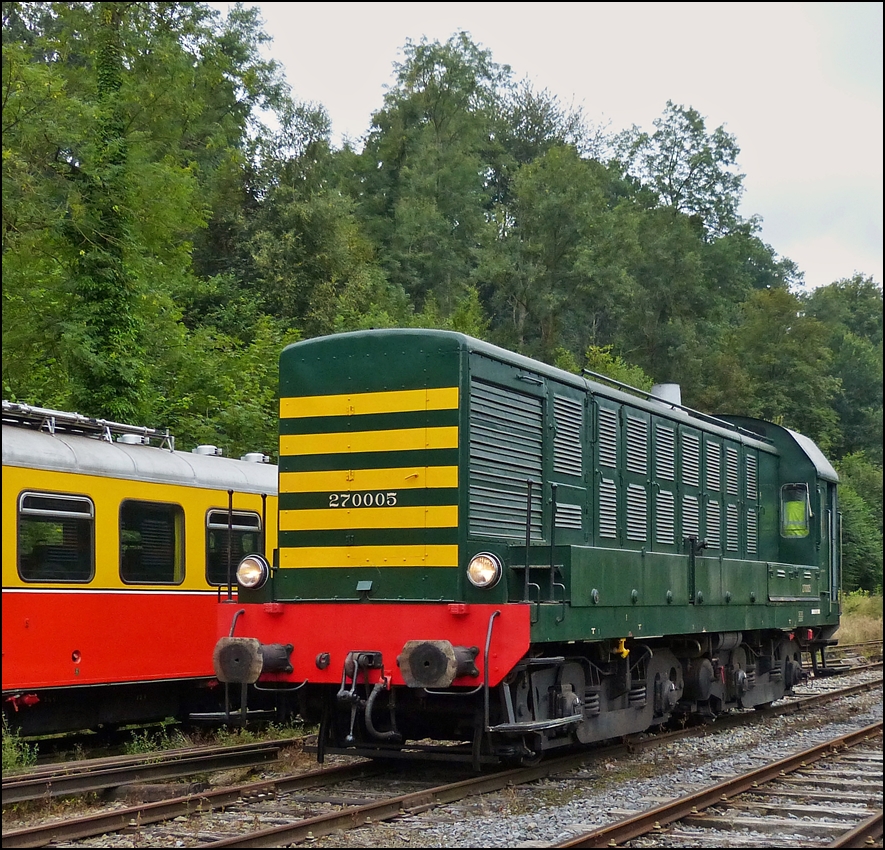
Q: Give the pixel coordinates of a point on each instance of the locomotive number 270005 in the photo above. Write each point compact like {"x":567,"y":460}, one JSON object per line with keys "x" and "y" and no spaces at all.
{"x":362,"y":500}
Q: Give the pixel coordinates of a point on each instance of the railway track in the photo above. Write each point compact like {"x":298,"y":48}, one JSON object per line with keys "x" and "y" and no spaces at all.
{"x":295,"y":800}
{"x":82,"y":777}
{"x":843,"y":658}
{"x":831,"y":791}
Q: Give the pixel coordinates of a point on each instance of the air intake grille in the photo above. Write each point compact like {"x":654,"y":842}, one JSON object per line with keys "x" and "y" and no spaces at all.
{"x":567,"y":456}
{"x":691,"y":460}
{"x":752,"y":534}
{"x":608,"y":508}
{"x":714,"y":467}
{"x":691,"y":524}
{"x":714,"y":523}
{"x":731,"y":471}
{"x":665,"y":521}
{"x":731,"y":528}
{"x":751,"y":478}
{"x":568,"y":516}
{"x":637,"y":512}
{"x":608,"y":438}
{"x":505,"y":451}
{"x":637,"y":445}
{"x":665,"y":453}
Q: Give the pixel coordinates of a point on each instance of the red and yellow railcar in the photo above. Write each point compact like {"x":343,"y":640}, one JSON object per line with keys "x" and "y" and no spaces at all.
{"x":115,"y":552}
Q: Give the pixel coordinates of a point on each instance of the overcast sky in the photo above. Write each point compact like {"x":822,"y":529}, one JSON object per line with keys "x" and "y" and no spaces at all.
{"x":798,"y":84}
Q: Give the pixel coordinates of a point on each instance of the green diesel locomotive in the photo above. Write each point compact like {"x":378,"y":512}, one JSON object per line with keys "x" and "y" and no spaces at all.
{"x":479,"y":548}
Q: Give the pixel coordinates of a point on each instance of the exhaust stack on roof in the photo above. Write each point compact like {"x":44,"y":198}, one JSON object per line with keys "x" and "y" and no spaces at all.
{"x":669,"y":393}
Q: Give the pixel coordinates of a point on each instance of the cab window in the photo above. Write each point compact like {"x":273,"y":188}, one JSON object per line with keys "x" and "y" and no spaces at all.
{"x":151,"y":543}
{"x":56,"y":537}
{"x":795,"y":510}
{"x":240,"y":537}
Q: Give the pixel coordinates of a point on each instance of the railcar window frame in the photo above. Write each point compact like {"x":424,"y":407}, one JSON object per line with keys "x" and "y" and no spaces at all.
{"x":77,"y":536}
{"x":238,"y":532}
{"x":176,"y":562}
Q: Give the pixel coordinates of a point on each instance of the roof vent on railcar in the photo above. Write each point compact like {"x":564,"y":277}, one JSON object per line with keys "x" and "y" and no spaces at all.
{"x":132,"y":439}
{"x":255,"y":457}
{"x":208,"y":450}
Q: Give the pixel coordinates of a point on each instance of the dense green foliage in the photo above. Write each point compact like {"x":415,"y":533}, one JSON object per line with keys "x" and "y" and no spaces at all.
{"x":161,"y":244}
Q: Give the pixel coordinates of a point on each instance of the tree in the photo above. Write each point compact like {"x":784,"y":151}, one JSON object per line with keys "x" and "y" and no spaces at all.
{"x":526,"y":123}
{"x":531,"y":270}
{"x":851,"y":309}
{"x":422,"y":182}
{"x":785,"y":362}
{"x":603,"y":361}
{"x":853,"y":304}
{"x":860,"y":498}
{"x":692,"y":171}
{"x":113,"y":116}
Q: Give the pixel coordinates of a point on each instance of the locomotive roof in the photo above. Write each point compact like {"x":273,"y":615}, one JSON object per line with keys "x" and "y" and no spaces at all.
{"x":721,"y":426}
{"x":807,"y":446}
{"x":64,"y":452}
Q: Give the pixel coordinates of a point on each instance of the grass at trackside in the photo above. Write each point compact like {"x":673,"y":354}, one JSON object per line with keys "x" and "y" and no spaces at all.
{"x":17,"y":753}
{"x":20,"y":752}
{"x":861,"y":617}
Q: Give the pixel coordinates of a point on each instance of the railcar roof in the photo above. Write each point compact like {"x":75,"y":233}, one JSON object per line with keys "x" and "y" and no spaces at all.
{"x":34,"y":449}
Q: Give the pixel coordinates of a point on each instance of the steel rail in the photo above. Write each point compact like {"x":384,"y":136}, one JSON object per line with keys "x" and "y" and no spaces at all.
{"x":91,"y":825}
{"x":85,"y":781}
{"x":865,"y":834}
{"x":278,"y":836}
{"x":637,"y":825}
{"x":67,"y":768}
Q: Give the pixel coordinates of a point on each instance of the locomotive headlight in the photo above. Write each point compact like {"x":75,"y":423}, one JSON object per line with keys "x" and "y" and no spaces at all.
{"x":253,"y":571}
{"x":484,"y":570}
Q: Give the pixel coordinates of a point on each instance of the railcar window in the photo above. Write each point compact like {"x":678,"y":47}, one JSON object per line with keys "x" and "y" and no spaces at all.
{"x":56,"y":537}
{"x":795,"y":510}
{"x":244,"y":536}
{"x":151,"y":543}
